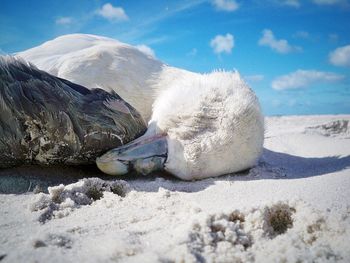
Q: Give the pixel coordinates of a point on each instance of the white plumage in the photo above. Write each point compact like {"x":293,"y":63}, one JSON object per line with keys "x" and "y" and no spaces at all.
{"x":101,"y":62}
{"x":212,"y":123}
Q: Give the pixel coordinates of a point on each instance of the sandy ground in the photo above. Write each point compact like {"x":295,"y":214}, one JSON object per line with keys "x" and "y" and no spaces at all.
{"x":294,"y":206}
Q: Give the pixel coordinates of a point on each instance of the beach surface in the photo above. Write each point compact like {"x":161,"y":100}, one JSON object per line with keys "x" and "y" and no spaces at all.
{"x":294,"y":206}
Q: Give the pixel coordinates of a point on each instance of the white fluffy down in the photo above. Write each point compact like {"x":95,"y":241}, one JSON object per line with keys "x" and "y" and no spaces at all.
{"x":213,"y":123}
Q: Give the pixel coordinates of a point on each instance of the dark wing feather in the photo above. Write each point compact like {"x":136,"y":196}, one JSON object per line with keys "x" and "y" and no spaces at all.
{"x":49,"y":120}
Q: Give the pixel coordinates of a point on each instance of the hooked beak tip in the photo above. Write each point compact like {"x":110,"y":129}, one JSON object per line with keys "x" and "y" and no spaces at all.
{"x":112,"y":167}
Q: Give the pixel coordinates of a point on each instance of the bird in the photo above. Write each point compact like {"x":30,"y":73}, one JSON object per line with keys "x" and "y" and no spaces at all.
{"x":202,"y":126}
{"x":199,"y":125}
{"x":48,"y":120}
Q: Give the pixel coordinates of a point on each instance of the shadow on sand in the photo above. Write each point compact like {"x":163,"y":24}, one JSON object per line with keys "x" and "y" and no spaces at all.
{"x":273,"y":165}
{"x":302,"y":167}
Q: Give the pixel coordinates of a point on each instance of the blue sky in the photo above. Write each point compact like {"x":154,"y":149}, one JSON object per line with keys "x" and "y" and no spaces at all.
{"x":294,"y":53}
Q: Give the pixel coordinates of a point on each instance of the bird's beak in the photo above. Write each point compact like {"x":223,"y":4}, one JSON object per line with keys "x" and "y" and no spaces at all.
{"x":144,"y":155}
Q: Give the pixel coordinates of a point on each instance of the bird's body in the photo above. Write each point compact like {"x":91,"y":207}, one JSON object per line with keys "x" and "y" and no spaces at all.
{"x":200,"y":125}
{"x":101,"y":62}
{"x":48,"y":120}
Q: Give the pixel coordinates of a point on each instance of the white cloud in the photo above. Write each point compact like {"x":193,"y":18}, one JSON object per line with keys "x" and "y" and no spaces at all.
{"x":149,"y":23}
{"x":254,"y":78}
{"x":329,"y":2}
{"x":156,"y":40}
{"x":193,"y":52}
{"x":226,"y":5}
{"x":340,"y":56}
{"x":222,"y":44}
{"x":292,"y":3}
{"x":303,"y":78}
{"x":333,"y":38}
{"x":146,"y":50}
{"x":302,"y":34}
{"x":64,"y":20}
{"x":279,"y":45}
{"x":112,"y":13}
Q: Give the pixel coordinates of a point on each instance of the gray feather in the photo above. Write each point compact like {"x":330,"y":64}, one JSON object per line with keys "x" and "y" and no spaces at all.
{"x":48,"y":120}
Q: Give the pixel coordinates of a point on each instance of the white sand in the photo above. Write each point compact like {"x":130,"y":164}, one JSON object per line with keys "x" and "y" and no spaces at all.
{"x":301,"y":185}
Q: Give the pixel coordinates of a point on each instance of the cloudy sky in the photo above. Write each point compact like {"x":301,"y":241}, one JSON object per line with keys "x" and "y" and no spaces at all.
{"x":294,"y":53}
